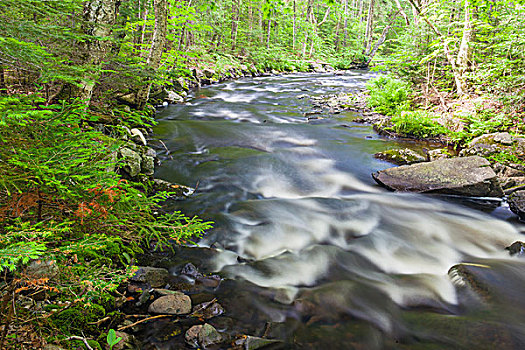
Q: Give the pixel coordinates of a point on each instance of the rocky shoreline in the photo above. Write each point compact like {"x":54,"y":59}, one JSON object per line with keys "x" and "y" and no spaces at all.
{"x":183,"y":300}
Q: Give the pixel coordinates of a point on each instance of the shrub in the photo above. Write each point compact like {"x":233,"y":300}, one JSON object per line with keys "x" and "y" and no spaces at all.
{"x":417,"y":123}
{"x":388,"y":96}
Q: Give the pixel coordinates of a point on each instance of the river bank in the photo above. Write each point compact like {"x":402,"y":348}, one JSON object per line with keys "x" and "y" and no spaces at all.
{"x":297,"y":213}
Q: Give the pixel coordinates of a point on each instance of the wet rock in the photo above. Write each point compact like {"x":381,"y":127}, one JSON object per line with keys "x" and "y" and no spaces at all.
{"x":517,"y":203}
{"x":131,"y":161}
{"x":436,"y":154}
{"x":175,"y":304}
{"x":253,"y":343}
{"x":128,"y":342}
{"x":516,"y":248}
{"x":203,"y":335}
{"x":174,"y":97}
{"x":468,"y":176}
{"x":144,"y":298}
{"x":507,"y":171}
{"x":208,"y":310}
{"x":155,"y":277}
{"x":400,"y":156}
{"x":511,"y":182}
{"x":190,"y":270}
{"x":163,"y":292}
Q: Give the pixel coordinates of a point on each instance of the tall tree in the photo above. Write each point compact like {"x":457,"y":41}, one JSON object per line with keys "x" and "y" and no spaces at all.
{"x":157,"y":46}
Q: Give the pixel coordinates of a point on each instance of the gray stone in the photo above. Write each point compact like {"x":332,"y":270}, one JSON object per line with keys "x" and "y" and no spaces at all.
{"x":148,"y":165}
{"x":517,"y":203}
{"x":163,"y":292}
{"x":138,"y":136}
{"x":174,"y":304}
{"x":174,"y":97}
{"x":504,"y":138}
{"x":510,"y":182}
{"x":128,"y":342}
{"x":400,"y":156}
{"x":440,"y":153}
{"x":203,"y":335}
{"x":468,"y":176}
{"x":253,"y":343}
{"x":516,"y":248}
{"x":155,"y":277}
{"x":490,"y":144}
{"x":131,"y":161}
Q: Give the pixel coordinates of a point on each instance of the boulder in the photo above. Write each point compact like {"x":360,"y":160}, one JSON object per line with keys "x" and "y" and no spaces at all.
{"x":174,"y":97}
{"x":440,"y":153}
{"x":203,"y":335}
{"x":148,"y":165}
{"x":173,"y":304}
{"x":155,"y":277}
{"x":468,"y":176}
{"x":131,"y":161}
{"x":511,"y":182}
{"x":516,"y":248}
{"x":517,"y":203}
{"x":490,"y":144}
{"x":400,"y":156}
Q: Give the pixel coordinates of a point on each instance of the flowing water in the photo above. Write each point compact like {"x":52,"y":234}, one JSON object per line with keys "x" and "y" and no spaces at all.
{"x":313,"y":251}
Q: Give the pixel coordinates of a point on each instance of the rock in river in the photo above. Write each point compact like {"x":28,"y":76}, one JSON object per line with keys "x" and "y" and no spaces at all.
{"x":173,"y":304}
{"x":517,"y":203}
{"x":466,"y":176}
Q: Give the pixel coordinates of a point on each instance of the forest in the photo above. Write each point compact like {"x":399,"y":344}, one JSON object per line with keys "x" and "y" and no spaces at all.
{"x":81,"y":80}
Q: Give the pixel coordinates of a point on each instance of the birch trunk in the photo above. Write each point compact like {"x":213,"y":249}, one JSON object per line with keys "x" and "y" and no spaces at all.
{"x":99,"y":17}
{"x":157,"y":46}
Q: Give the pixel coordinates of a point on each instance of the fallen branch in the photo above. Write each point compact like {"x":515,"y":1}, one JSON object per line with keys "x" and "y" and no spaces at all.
{"x":84,"y":340}
{"x":144,"y":320}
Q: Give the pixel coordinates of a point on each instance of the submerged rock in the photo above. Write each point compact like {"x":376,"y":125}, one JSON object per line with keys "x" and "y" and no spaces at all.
{"x":400,"y":156}
{"x":517,"y":203}
{"x":173,"y":304}
{"x":516,"y":248}
{"x":155,"y":277}
{"x":468,"y":176}
{"x":202,"y":335}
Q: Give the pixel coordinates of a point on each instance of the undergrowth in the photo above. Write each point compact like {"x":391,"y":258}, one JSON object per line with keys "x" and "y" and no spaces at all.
{"x":69,"y":225}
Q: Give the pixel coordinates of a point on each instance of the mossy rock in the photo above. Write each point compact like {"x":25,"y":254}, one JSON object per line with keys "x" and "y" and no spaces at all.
{"x":400,"y":156}
{"x":77,"y":319}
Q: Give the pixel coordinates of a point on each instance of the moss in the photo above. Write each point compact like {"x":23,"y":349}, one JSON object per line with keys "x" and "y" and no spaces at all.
{"x":78,"y":318}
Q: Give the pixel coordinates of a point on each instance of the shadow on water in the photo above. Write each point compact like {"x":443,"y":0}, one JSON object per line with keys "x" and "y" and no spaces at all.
{"x":312,"y":251}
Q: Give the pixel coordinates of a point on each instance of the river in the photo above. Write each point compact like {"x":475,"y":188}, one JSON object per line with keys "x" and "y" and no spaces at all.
{"x":313,"y":252}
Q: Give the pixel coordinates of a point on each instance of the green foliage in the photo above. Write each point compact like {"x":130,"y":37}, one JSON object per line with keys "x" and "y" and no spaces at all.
{"x":388,"y":95}
{"x":417,"y":123}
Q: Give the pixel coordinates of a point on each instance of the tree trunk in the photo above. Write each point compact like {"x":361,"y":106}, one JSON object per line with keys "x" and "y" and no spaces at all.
{"x":464,"y":54}
{"x":381,"y":39}
{"x":157,"y":46}
{"x":369,"y":26}
{"x":236,"y":10}
{"x":402,"y":11}
{"x":294,"y":24}
{"x":99,"y":17}
{"x":345,"y":25}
